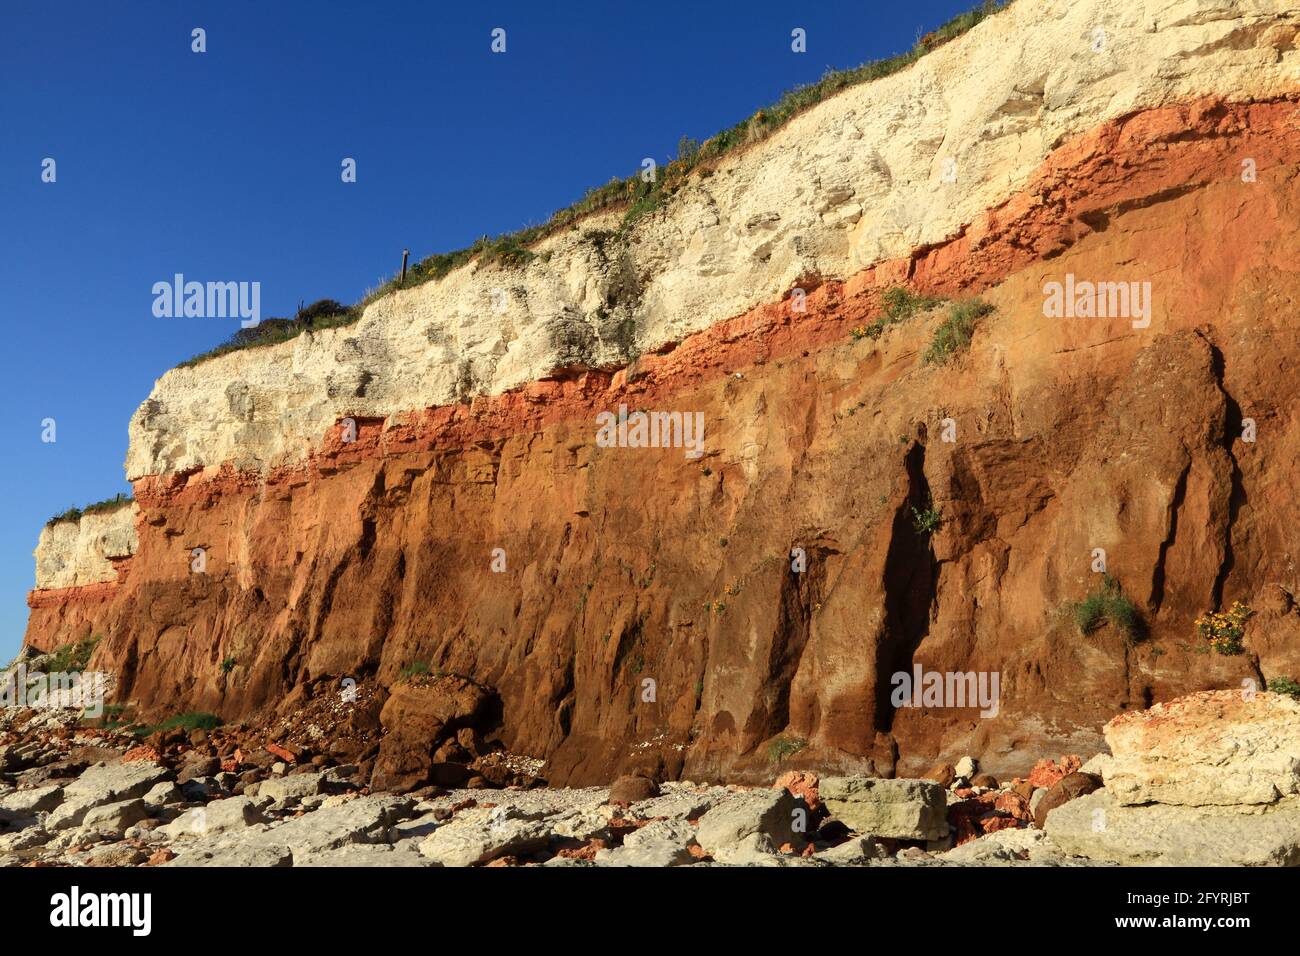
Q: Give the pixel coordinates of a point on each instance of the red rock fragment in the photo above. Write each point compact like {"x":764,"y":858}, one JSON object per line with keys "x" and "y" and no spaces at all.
{"x":801,"y":783}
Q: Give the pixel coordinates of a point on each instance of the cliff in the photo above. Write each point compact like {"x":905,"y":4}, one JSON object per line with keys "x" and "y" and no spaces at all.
{"x":1033,"y":150}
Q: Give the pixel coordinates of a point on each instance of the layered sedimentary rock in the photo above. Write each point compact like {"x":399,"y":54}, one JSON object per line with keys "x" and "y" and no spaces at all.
{"x":771,"y":587}
{"x":81,"y":566}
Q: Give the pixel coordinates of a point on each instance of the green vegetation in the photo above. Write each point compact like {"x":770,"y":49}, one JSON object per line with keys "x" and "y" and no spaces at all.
{"x":926,"y":521}
{"x":1224,"y":631}
{"x":108,"y":504}
{"x":1108,"y":604}
{"x":71,"y":657}
{"x":114,"y":717}
{"x":228,"y":665}
{"x":900,"y":305}
{"x":636,"y":194}
{"x":324,"y":314}
{"x":783,"y":747}
{"x":954,"y":334}
{"x":1285,"y":685}
{"x":189,"y":721}
{"x":414,"y":669}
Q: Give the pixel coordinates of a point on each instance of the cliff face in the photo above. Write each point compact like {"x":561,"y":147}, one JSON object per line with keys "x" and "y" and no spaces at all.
{"x":1161,"y":151}
{"x":81,"y":566}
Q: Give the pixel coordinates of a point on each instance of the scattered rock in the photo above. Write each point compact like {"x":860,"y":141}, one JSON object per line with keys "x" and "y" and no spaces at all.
{"x":900,"y":809}
{"x":163,"y":794}
{"x":770,"y":812}
{"x":26,"y":803}
{"x":801,"y":783}
{"x":943,"y":774}
{"x":480,"y":835}
{"x":292,"y":788}
{"x":114,"y":817}
{"x":857,"y":851}
{"x":117,"y":854}
{"x":104,"y":784}
{"x":1068,"y":788}
{"x":1046,"y":772}
{"x":236,"y":856}
{"x":219,"y":816}
{"x":418,"y":715}
{"x":630,"y":789}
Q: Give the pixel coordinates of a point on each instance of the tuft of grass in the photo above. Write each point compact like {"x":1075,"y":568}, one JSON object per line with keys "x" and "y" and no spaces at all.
{"x":954,"y":333}
{"x":1285,"y":685}
{"x":637,"y":196}
{"x":1108,"y":604}
{"x":97,"y":507}
{"x":71,"y":657}
{"x":414,"y":669}
{"x":189,"y":721}
{"x":783,"y":747}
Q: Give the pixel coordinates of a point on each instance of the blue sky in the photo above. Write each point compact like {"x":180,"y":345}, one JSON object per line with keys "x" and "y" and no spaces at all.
{"x":225,"y":166}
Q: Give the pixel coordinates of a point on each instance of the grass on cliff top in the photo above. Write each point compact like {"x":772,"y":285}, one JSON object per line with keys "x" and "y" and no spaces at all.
{"x":632,"y":193}
{"x":98,"y":507}
{"x":323,"y":314}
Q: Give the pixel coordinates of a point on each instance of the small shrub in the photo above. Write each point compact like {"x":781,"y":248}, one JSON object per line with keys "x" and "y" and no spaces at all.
{"x":926,"y":521}
{"x":783,"y":747}
{"x":1108,"y":604}
{"x":1285,"y":685}
{"x":954,"y":334}
{"x":1223,"y":631}
{"x":900,"y":304}
{"x":228,"y":665}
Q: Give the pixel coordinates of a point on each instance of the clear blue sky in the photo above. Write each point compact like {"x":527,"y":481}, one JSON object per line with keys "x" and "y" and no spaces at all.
{"x":225,"y":166}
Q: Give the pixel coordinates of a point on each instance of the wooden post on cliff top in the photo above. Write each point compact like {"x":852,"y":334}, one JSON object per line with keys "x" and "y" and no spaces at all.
{"x":405,"y":253}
